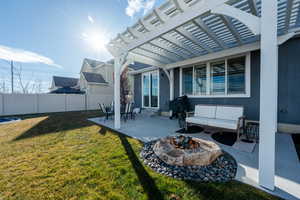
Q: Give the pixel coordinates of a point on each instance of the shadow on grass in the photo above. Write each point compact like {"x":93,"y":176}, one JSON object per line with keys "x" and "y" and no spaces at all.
{"x":59,"y":122}
{"x":232,"y":190}
{"x":145,"y":179}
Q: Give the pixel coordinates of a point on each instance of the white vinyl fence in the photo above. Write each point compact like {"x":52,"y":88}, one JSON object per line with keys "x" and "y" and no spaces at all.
{"x":20,"y":104}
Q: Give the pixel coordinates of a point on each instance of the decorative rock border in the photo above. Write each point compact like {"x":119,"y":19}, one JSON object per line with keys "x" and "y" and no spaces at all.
{"x":223,"y":169}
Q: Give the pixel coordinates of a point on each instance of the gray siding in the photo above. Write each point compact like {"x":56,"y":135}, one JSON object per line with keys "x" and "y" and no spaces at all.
{"x":164,"y":91}
{"x":289,"y":82}
{"x":288,"y":90}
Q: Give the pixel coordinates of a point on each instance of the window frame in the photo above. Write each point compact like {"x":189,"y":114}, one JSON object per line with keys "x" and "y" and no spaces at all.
{"x":158,"y":88}
{"x":247,"y":93}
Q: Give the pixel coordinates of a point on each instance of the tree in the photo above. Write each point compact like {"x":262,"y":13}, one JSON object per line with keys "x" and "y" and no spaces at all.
{"x":23,"y":85}
{"x":125,"y":87}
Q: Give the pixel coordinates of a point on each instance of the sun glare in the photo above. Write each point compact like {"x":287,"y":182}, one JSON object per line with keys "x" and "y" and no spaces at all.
{"x":95,"y":39}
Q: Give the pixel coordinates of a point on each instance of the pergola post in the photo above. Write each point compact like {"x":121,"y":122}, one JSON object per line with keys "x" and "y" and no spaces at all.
{"x":268,"y":93}
{"x":171,"y":84}
{"x":117,"y":102}
{"x":121,"y":62}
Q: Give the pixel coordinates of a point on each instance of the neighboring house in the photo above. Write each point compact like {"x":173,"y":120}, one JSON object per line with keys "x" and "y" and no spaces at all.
{"x":64,"y":85}
{"x":96,"y":77}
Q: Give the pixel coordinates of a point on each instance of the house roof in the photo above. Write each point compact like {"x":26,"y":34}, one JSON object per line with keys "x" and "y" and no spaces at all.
{"x":94,"y":77}
{"x":93,"y":63}
{"x":65,"y":81}
{"x":67,"y":90}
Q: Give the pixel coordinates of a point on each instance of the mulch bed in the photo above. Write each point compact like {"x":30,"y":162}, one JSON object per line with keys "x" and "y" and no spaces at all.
{"x":191,"y":130}
{"x":227,"y":138}
{"x":296,"y":138}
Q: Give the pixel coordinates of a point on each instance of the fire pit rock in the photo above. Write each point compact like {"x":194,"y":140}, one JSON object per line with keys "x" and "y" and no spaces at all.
{"x":222,"y":168}
{"x":186,"y":151}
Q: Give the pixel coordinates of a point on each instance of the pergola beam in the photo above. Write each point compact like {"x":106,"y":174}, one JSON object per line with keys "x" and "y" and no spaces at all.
{"x":289,"y":5}
{"x":169,"y":49}
{"x":227,"y":21}
{"x":189,"y":14}
{"x":163,"y":53}
{"x":180,"y":5}
{"x":134,"y":32}
{"x":151,"y":54}
{"x":253,"y":7}
{"x":210,"y":33}
{"x":179,"y":44}
{"x":182,"y":31}
{"x":145,"y":59}
{"x":161,"y":16}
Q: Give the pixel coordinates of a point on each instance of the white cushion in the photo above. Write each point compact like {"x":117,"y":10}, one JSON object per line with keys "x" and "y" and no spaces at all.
{"x":229,"y":112}
{"x":205,"y":111}
{"x":223,"y":123}
{"x":197,"y":120}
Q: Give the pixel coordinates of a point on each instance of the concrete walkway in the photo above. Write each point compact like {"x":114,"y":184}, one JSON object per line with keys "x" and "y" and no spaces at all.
{"x":287,"y":180}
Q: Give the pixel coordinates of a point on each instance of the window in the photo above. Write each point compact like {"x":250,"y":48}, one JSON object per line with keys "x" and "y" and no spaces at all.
{"x":200,"y":80}
{"x":150,"y":89}
{"x":224,"y":78}
{"x":217,"y":78}
{"x":187,"y":76}
{"x":146,"y":92}
{"x":236,"y":76}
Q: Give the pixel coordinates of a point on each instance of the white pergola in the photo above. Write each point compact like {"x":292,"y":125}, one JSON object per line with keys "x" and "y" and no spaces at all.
{"x":183,"y":32}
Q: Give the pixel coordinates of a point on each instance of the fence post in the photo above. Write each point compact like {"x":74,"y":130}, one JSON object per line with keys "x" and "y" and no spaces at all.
{"x":65,"y":102}
{"x":37,"y":99}
{"x":2,"y":104}
{"x":85,"y":101}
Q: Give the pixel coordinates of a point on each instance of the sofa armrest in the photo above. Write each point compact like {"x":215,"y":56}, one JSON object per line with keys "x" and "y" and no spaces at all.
{"x":189,"y":114}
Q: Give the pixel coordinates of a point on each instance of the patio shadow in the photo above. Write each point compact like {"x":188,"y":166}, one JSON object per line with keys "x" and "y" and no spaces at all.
{"x":57,"y":122}
{"x":145,"y":179}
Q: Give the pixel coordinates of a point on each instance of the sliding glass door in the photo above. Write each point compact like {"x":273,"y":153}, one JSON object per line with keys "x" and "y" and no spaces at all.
{"x":150,"y":90}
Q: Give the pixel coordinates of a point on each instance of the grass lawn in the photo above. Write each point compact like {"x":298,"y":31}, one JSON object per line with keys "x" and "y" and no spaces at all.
{"x":63,"y":156}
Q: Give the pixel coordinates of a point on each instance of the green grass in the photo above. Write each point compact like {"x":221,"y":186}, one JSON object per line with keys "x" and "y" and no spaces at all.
{"x":63,"y":156}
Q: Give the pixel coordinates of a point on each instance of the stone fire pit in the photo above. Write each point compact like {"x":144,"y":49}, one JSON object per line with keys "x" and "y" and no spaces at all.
{"x":186,"y":151}
{"x":187,"y":158}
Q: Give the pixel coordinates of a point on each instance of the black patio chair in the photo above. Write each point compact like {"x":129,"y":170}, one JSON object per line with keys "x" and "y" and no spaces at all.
{"x":128,"y":112}
{"x":106,"y":110}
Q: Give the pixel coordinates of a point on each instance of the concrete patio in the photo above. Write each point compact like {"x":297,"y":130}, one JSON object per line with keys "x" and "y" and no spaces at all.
{"x":287,"y":179}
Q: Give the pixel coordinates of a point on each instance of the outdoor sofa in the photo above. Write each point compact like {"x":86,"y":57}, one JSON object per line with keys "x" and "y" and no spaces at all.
{"x":221,"y":117}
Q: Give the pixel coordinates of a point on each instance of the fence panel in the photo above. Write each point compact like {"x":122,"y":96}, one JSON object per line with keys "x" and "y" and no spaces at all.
{"x":94,"y":100}
{"x":51,"y":103}
{"x":75,"y":102}
{"x":19,"y":104}
{"x":1,"y":104}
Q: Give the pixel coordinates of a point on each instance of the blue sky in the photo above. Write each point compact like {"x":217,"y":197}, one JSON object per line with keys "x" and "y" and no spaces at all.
{"x":57,"y":30}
